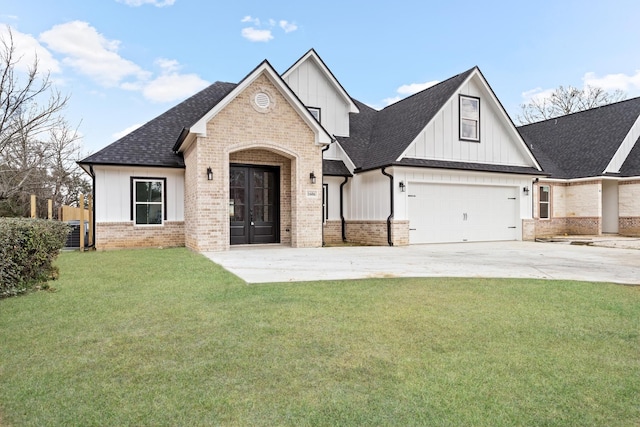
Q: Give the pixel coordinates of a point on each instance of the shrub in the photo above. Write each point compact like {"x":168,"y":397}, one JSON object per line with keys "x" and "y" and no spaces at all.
{"x":28,"y":248}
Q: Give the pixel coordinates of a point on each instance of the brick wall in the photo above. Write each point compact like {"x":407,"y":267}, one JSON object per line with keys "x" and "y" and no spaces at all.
{"x":629,"y":226}
{"x":124,"y":235}
{"x":371,"y":232}
{"x":332,"y":232}
{"x":575,"y":208}
{"x":242,"y":132}
{"x":528,"y":229}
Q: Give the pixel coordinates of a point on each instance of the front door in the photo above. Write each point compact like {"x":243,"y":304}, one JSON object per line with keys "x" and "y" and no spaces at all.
{"x":254,"y":204}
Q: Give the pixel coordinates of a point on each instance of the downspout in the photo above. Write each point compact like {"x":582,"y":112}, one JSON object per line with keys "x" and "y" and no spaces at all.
{"x":343,"y":222}
{"x":390,"y":217}
{"x":93,"y":213}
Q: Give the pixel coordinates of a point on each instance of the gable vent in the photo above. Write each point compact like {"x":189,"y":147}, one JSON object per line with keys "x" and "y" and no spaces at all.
{"x":262,"y":100}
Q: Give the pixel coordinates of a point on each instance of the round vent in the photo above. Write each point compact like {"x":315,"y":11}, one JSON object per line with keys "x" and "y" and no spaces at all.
{"x":262,"y":100}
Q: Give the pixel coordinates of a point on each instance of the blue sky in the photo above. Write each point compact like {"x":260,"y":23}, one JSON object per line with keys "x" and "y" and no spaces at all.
{"x":123,"y":62}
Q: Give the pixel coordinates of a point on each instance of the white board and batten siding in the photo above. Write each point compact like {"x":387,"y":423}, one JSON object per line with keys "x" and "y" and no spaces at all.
{"x":314,"y":89}
{"x":333,"y":196}
{"x":113,"y":184}
{"x":368,"y":196}
{"x":499,"y":142}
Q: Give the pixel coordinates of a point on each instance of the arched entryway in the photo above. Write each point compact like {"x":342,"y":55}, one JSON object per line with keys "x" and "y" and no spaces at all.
{"x":260,"y":187}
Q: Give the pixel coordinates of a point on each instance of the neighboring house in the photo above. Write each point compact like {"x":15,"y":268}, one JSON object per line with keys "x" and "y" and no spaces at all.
{"x":293,"y":159}
{"x":593,"y":162}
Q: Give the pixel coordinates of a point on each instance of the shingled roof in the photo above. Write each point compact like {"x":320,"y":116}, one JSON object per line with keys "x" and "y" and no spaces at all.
{"x":581,"y":145}
{"x":378,"y":138}
{"x":152,"y":143}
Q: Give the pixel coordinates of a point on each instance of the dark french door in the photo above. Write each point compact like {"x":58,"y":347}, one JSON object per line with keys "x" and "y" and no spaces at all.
{"x":254,"y":193}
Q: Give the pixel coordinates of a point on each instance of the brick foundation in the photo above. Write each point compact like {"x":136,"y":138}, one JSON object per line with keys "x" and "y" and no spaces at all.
{"x":124,"y":235}
{"x":572,"y":225}
{"x":374,"y":233}
{"x":332,"y":232}
{"x":528,"y":229}
{"x":629,"y":226}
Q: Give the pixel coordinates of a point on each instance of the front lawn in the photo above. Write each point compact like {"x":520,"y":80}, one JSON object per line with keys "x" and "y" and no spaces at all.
{"x":165,"y":337}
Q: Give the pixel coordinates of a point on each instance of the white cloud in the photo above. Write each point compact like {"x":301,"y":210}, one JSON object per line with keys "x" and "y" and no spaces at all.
{"x":392,"y":100}
{"x":168,"y":65}
{"x":126,"y":131}
{"x":248,"y":18}
{"x":28,"y":49}
{"x":537,"y":94}
{"x":612,"y":82}
{"x":406,"y":90}
{"x":171,"y":85}
{"x":156,"y":3}
{"x":412,"y":88}
{"x":288,"y":26}
{"x":91,"y":54}
{"x":255,"y":35}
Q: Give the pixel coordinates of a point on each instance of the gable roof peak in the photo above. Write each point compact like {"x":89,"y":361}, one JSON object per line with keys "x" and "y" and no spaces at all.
{"x":312,"y":55}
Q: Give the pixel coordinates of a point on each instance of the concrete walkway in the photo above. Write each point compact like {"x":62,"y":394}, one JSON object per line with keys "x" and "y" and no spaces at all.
{"x":275,"y":263}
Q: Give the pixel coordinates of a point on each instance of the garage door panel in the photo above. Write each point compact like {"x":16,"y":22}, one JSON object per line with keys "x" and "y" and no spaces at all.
{"x":457,"y":213}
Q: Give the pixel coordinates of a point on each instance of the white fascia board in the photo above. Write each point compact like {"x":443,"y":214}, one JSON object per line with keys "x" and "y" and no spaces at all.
{"x":312,"y":55}
{"x":345,"y":157}
{"x":624,"y":149}
{"x":322,"y":137}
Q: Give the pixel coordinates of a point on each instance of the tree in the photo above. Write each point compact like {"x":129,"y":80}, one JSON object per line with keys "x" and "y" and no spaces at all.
{"x":38,"y":148}
{"x":567,"y":100}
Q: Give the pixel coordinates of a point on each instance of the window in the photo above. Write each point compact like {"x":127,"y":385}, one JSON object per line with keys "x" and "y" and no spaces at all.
{"x":148,"y":205}
{"x":544,"y":202}
{"x":325,"y":202}
{"x":469,"y":118}
{"x":315,"y":112}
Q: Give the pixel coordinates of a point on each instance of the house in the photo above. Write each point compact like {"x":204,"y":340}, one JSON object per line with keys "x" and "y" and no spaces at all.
{"x":291,"y":158}
{"x":593,"y":161}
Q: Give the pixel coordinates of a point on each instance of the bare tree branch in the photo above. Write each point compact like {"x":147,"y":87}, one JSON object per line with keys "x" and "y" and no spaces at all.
{"x":567,"y":100}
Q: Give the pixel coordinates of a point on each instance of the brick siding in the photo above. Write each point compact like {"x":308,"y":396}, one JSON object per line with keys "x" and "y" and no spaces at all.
{"x":124,"y":235}
{"x":367,"y":232}
{"x":242,"y":133}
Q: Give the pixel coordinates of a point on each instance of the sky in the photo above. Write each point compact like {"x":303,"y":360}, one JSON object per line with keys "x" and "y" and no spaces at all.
{"x":123,"y":62}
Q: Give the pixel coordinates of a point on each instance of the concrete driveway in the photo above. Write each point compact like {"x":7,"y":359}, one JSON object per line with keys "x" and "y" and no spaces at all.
{"x":261,"y":264}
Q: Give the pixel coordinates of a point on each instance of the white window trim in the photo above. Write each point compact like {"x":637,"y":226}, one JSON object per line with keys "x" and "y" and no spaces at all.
{"x":162,"y":203}
{"x":461,"y":118}
{"x":548,"y":202}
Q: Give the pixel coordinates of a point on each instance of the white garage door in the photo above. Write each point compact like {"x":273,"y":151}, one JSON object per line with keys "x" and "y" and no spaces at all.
{"x":462,"y":213}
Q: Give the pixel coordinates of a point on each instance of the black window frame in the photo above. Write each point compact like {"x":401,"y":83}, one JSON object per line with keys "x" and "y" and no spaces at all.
{"x":132,"y":194}
{"x":318,"y":109}
{"x":461,"y":118}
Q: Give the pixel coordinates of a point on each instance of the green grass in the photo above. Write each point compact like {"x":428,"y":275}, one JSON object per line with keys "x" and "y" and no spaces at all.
{"x":165,"y":337}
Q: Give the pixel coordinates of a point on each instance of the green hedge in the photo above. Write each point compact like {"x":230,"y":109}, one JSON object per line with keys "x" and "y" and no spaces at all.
{"x":27,"y":250}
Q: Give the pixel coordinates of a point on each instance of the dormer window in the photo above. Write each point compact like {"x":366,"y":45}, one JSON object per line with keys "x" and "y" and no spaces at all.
{"x":469,"y":118}
{"x":315,"y":112}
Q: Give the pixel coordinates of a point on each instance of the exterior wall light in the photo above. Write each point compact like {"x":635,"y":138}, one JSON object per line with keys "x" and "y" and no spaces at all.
{"x":525,"y":190}
{"x":312,"y":177}
{"x":403,"y":187}
{"x":209,"y":174}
